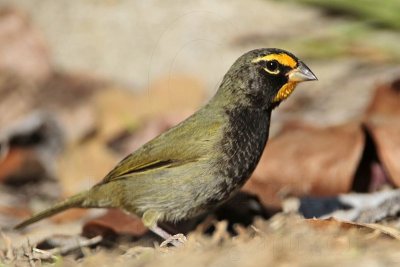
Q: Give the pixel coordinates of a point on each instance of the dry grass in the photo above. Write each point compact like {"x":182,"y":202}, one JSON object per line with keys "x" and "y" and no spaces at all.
{"x":285,"y":240}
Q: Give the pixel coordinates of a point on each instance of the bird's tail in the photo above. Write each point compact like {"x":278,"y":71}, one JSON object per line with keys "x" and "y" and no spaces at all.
{"x":75,"y":201}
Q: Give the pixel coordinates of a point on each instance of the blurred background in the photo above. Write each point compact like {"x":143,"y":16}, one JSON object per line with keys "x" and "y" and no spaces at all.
{"x":134,"y":43}
{"x":83,"y":83}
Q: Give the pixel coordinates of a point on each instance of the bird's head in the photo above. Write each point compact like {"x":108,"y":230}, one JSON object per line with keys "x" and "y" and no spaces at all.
{"x":264,"y":77}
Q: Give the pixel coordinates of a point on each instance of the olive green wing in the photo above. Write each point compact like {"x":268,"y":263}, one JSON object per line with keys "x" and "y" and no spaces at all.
{"x":189,"y":141}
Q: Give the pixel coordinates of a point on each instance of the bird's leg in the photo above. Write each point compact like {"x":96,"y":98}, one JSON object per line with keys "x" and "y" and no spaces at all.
{"x":150,"y":218}
{"x":176,"y":240}
{"x":160,"y":232}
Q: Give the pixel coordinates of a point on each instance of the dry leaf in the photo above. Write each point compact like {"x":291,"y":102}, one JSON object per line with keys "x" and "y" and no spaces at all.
{"x":386,"y":101}
{"x":13,"y":162}
{"x":114,"y":222}
{"x":383,"y":123}
{"x":307,"y":161}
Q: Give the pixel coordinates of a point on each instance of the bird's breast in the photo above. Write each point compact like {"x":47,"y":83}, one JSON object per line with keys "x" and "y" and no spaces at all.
{"x":242,"y":144}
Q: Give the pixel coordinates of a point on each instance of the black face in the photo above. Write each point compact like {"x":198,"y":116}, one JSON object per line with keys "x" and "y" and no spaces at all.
{"x":274,"y":72}
{"x":264,"y":77}
{"x":268,"y":70}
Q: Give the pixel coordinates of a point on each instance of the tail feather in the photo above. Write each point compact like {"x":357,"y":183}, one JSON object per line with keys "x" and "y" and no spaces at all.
{"x":72,"y":202}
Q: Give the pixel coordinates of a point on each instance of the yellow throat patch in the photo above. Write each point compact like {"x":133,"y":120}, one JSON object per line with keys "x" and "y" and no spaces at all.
{"x":285,"y":91}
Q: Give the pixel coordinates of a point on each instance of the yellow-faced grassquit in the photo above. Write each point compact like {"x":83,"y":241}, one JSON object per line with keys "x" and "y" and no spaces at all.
{"x":204,"y":160}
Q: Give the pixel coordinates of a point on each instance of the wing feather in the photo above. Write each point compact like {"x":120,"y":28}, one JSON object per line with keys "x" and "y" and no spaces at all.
{"x":189,"y":141}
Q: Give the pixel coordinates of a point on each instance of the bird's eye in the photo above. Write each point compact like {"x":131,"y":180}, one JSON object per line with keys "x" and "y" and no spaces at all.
{"x":272,"y":66}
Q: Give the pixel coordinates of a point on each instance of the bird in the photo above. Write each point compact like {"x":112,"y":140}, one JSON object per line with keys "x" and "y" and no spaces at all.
{"x":203,"y":161}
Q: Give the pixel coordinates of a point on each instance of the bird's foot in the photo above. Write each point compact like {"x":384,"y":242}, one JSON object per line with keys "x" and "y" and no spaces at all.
{"x":177,"y":240}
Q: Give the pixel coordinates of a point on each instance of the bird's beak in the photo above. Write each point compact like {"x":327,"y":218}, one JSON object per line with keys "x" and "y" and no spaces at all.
{"x":301,"y":74}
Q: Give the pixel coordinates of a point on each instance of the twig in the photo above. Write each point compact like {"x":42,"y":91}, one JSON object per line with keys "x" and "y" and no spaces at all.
{"x":71,"y":247}
{"x":51,"y":254}
{"x":44,"y":255}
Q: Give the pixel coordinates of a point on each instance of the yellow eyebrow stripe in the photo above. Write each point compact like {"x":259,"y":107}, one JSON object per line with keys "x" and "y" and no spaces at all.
{"x":283,"y":59}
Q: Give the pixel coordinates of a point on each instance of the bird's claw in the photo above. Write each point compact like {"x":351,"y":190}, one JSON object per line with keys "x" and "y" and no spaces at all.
{"x":176,"y":240}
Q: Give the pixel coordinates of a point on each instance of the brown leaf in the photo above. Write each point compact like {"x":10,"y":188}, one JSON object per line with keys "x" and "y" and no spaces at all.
{"x":386,"y":101}
{"x":23,"y":50}
{"x":12,"y":162}
{"x":114,"y":222}
{"x":383,"y":122}
{"x":21,"y":166}
{"x":303,"y":160}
